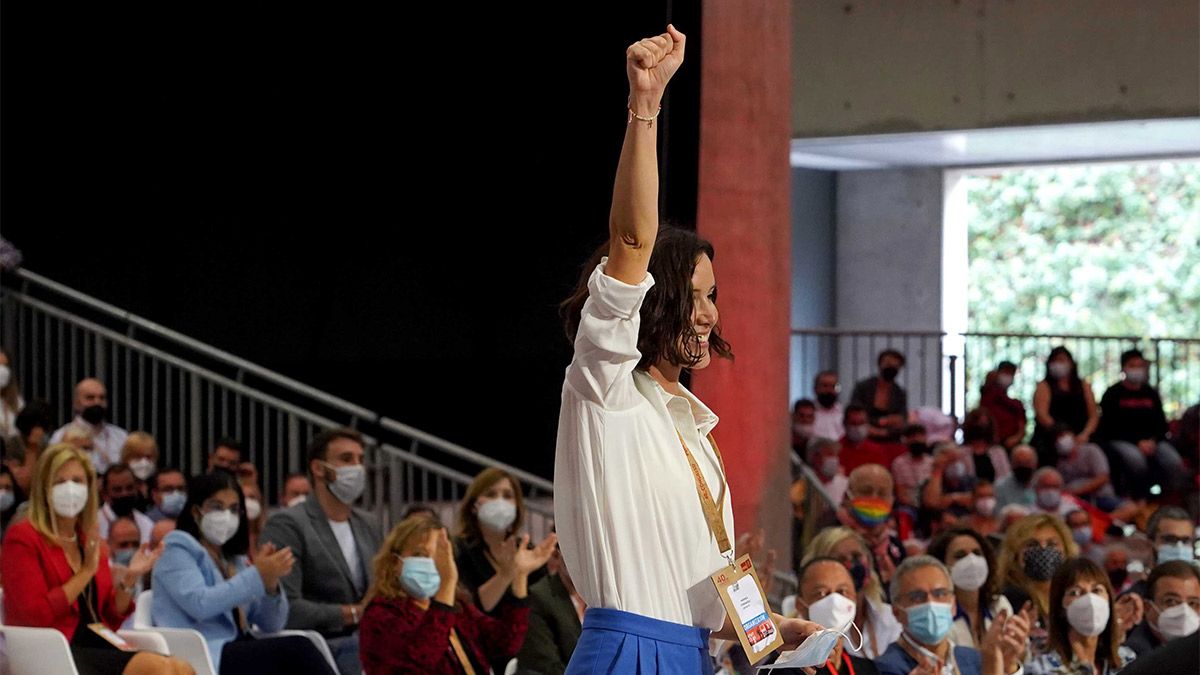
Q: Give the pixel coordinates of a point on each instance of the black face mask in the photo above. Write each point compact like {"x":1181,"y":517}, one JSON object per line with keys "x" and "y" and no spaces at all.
{"x":94,"y":414}
{"x":858,"y":573}
{"x":123,"y":506}
{"x":1023,"y":474}
{"x":827,"y":400}
{"x":890,"y":373}
{"x":918,"y":449}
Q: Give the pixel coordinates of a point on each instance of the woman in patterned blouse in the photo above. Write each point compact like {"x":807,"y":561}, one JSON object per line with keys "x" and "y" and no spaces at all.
{"x":1085,"y":636}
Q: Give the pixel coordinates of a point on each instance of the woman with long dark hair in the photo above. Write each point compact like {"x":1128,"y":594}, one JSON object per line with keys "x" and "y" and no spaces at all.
{"x":1062,"y":397}
{"x":205,"y":582}
{"x":972,"y":564}
{"x":634,"y":445}
{"x":1085,"y":636}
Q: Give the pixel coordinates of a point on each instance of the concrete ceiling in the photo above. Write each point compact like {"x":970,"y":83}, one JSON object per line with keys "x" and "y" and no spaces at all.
{"x":1060,"y":143}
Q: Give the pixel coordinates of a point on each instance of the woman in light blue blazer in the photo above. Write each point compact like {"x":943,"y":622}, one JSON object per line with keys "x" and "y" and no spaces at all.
{"x":209,"y":584}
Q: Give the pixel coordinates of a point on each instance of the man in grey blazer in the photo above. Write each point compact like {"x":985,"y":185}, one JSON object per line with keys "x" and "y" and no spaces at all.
{"x":333,"y":544}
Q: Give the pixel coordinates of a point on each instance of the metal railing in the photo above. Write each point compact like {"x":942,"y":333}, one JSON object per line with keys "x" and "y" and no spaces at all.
{"x":189,"y":395}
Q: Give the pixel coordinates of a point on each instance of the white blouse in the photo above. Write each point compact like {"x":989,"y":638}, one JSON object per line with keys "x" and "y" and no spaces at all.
{"x":629,"y":522}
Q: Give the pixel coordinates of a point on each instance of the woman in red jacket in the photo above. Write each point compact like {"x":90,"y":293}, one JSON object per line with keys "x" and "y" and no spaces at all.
{"x":413,"y":624}
{"x":58,"y":574}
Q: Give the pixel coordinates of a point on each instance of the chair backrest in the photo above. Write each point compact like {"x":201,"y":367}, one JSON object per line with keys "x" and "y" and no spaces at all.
{"x":189,"y":645}
{"x":142,"y":617}
{"x":33,"y":651}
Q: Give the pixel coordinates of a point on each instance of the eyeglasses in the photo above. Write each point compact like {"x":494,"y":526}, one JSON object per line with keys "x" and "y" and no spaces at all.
{"x":922,"y":597}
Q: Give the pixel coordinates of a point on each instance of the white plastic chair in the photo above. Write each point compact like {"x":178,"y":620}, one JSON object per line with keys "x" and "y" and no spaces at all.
{"x":34,"y":651}
{"x":146,"y":641}
{"x":189,"y":645}
{"x":316,"y":638}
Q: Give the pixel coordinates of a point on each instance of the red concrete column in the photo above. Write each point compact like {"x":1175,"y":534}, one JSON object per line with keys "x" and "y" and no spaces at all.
{"x":745,"y":126}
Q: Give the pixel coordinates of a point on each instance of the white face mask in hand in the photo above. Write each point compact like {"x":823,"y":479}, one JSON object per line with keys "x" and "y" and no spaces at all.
{"x":815,"y":649}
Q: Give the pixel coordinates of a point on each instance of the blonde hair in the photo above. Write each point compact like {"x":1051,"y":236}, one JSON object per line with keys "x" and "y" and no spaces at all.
{"x":822,"y":546}
{"x":386,"y":565}
{"x":1012,"y":572}
{"x":77,"y":432}
{"x":139,"y":441}
{"x":41,"y":513}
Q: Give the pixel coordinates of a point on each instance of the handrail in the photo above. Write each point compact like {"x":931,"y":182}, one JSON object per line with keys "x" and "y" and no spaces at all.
{"x":283,"y":381}
{"x":879,"y":332}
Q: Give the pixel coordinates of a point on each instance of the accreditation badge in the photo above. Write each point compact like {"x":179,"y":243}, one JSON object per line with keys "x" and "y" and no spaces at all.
{"x":747,"y":608}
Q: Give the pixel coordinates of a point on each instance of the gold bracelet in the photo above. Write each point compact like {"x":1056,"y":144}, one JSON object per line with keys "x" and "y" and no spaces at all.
{"x":648,"y":120}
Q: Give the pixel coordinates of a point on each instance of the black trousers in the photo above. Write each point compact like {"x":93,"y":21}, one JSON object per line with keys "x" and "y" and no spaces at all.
{"x":290,"y":655}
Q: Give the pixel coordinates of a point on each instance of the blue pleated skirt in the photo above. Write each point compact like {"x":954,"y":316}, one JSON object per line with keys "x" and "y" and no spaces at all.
{"x":622,"y":643}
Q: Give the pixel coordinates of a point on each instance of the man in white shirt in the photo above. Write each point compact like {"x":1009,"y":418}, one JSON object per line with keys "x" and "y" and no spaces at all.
{"x":91,"y":411}
{"x":120,"y":493}
{"x":827,"y":423}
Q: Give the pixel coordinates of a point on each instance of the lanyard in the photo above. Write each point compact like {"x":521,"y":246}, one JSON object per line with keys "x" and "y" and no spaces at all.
{"x":459,"y":652}
{"x":712,"y":507}
{"x":845,"y":659}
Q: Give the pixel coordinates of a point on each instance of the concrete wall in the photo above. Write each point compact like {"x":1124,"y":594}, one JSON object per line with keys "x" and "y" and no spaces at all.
{"x":814,"y":254}
{"x":879,"y":66}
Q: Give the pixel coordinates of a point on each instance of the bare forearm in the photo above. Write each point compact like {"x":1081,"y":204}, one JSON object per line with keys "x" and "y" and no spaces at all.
{"x":492,"y":590}
{"x":75,"y":586}
{"x":633,"y":221}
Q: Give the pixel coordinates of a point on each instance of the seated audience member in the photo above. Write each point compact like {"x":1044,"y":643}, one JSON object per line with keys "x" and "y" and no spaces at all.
{"x":983,"y":514}
{"x":246,"y":472}
{"x":826,"y":595}
{"x":1007,"y":413}
{"x":985,"y":458}
{"x":1083,"y":633}
{"x":487,"y":546}
{"x":1116,"y":566}
{"x":256,"y":515}
{"x":124,"y":541}
{"x":828,"y":417}
{"x":296,"y":489}
{"x":62,"y":564}
{"x":419,"y":510}
{"x":1173,"y":533}
{"x":555,"y":621}
{"x":1172,"y":607}
{"x":872,"y":615}
{"x":1034,"y":548}
{"x":972,"y":565}
{"x":168,"y":492}
{"x":950,"y":483}
{"x":869,"y":500}
{"x":205,"y":582}
{"x":1010,"y":515}
{"x":1017,"y":488}
{"x":885,"y":401}
{"x":804,"y":414}
{"x":415,"y":604}
{"x":33,"y":429}
{"x":333,"y":544}
{"x":924,"y":604}
{"x":1084,"y":470}
{"x":1062,"y":398}
{"x":1079,"y":522}
{"x":91,"y":412}
{"x":140,"y":454}
{"x":10,"y":496}
{"x":823,"y":458}
{"x":11,"y":402}
{"x":121,"y":500}
{"x":1051,"y":496}
{"x":859,"y":448}
{"x":226,"y":454}
{"x":913,"y":468}
{"x":1134,"y":427}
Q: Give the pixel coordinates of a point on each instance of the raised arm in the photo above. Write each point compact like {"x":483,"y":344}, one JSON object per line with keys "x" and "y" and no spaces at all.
{"x":633,"y":221}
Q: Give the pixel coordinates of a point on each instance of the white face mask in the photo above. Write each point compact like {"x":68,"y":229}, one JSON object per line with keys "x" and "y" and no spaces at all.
{"x":298,"y":499}
{"x":970,"y":572}
{"x":497,"y":515}
{"x":6,"y":499}
{"x":1088,"y":614}
{"x":253,"y":508}
{"x":219,"y":526}
{"x":68,"y":498}
{"x":1060,"y":369}
{"x":834,"y":611}
{"x":5,"y":376}
{"x":350,"y":483}
{"x":1136,"y":375}
{"x":142,"y":468}
{"x":1004,"y":381}
{"x":830,"y":466}
{"x":1065,"y":444}
{"x":1178,"y":621}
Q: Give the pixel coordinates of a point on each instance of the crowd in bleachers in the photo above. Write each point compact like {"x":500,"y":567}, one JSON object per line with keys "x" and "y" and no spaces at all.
{"x":934,"y":552}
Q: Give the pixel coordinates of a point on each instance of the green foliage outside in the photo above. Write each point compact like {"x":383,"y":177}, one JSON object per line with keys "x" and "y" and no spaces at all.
{"x":1095,"y":250}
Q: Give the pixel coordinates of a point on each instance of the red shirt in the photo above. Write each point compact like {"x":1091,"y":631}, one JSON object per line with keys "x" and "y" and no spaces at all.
{"x":34,"y":571}
{"x":869,"y":452}
{"x":397,"y":636}
{"x":1008,"y":414}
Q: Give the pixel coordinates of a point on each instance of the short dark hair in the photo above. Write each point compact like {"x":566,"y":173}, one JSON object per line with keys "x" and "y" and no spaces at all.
{"x":803,"y":571}
{"x":803,"y":403}
{"x":153,"y":482}
{"x":35,"y":414}
{"x":889,"y":352}
{"x":1164,"y":513}
{"x":200,"y":488}
{"x":318,"y":448}
{"x":113,"y":470}
{"x":1176,"y":569}
{"x":852,"y":408}
{"x":913,"y":430}
{"x":1131,"y":354}
{"x":666,"y":313}
{"x":231,"y":443}
{"x":1007,"y":365}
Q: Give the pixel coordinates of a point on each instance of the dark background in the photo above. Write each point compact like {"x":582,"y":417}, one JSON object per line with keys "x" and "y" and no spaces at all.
{"x":387,"y":204}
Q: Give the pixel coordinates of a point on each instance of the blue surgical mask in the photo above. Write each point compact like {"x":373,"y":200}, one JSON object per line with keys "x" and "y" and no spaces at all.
{"x":420,"y":577}
{"x":123,"y":556}
{"x":929,"y":623}
{"x":172,"y":503}
{"x":1180,"y":551}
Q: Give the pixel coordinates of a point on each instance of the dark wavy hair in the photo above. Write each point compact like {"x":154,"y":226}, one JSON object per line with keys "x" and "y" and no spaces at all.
{"x":200,"y":488}
{"x":941,"y":546}
{"x":667,"y":330}
{"x":1073,"y":379}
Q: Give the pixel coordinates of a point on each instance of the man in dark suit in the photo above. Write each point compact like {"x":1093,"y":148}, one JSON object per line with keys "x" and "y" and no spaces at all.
{"x":554,"y":622}
{"x":333,"y":544}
